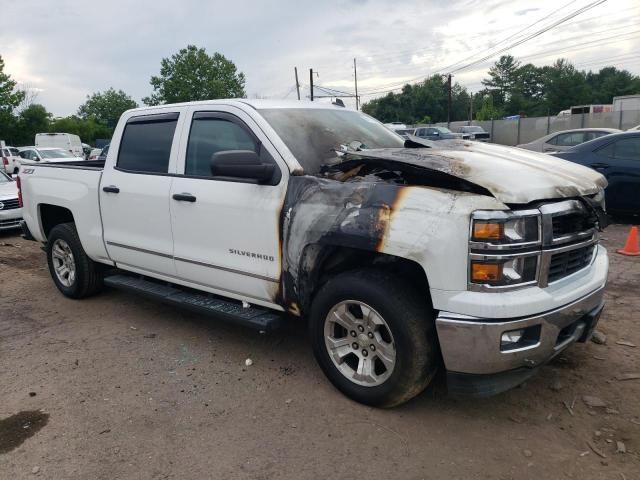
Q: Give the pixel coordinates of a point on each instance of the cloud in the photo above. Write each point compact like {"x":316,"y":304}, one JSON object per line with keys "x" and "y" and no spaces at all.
{"x":80,"y":47}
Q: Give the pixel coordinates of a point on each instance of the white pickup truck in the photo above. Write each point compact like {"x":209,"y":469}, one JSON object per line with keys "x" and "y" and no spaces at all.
{"x":405,"y":256}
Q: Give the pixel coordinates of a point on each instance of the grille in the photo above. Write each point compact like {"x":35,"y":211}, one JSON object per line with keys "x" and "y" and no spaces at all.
{"x":10,"y":223}
{"x":482,"y":135}
{"x":10,"y":204}
{"x":571,"y":223}
{"x":566,"y":263}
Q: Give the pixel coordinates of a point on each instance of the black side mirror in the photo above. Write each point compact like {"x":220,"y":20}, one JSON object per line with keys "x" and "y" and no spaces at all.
{"x":241,"y":164}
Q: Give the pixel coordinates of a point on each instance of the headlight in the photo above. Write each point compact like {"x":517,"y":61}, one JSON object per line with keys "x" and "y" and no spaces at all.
{"x":504,"y":249}
{"x":497,"y":271}
{"x":491,"y":229}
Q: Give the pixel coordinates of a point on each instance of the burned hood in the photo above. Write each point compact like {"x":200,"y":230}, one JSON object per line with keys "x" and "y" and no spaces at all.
{"x":510,"y":174}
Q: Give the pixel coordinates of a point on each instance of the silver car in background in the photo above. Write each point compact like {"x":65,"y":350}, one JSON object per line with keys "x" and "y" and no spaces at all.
{"x":565,"y":139}
{"x":10,"y":210}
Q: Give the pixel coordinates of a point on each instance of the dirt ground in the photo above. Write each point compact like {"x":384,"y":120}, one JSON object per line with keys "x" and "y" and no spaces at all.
{"x":118,"y":387}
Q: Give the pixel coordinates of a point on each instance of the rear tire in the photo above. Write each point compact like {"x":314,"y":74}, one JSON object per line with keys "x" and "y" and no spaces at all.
{"x":73,"y":272}
{"x":397,"y":353}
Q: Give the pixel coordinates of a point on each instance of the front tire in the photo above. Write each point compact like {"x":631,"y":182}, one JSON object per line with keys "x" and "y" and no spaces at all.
{"x":374,"y":337}
{"x":73,"y":272}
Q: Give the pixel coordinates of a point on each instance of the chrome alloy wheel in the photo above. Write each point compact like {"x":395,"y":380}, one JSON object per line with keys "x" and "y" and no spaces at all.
{"x":359,"y":343}
{"x":63,"y":262}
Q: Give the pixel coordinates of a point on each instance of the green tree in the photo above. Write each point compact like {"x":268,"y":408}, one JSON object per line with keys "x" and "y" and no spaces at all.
{"x":106,"y":107}
{"x":502,"y":78}
{"x":192,"y":74}
{"x":416,"y":103}
{"x":610,"y":82}
{"x":487,"y":110}
{"x":565,"y":86}
{"x":87,"y":129}
{"x":33,"y":119}
{"x":10,"y":97}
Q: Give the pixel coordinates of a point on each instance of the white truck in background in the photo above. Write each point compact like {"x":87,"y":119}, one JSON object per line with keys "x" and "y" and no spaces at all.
{"x":66,"y":141}
{"x":405,"y":256}
{"x":626,"y":102}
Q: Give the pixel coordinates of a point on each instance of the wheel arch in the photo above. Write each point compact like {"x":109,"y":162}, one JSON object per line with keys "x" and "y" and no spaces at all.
{"x":52,"y":215}
{"x":319,"y":262}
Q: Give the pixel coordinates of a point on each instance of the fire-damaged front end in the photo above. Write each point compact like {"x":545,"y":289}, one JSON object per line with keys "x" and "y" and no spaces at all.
{"x":507,"y":241}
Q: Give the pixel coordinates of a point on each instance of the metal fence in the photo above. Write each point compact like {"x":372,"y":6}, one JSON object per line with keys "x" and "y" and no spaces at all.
{"x":524,"y":130}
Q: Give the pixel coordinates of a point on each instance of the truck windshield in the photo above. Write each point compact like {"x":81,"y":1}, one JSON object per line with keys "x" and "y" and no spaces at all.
{"x":313,"y":134}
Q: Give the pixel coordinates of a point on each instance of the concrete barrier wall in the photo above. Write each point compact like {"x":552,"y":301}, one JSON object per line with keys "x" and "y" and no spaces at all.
{"x":524,"y":130}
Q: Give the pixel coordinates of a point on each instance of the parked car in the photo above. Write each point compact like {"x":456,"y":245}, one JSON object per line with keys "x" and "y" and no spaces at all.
{"x":438,"y":133}
{"x":65,"y":141}
{"x":86,"y":150}
{"x":10,"y":208}
{"x":404,"y":133}
{"x":564,"y":140}
{"x":10,"y":163}
{"x":94,"y":153}
{"x":617,"y":157}
{"x":103,"y":154}
{"x":45,"y":155}
{"x":395,"y":126}
{"x":258,"y":211}
{"x":474,"y":132}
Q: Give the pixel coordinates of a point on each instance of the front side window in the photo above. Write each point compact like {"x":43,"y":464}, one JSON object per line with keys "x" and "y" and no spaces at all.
{"x":210,"y":135}
{"x":28,"y":154}
{"x":146,"y":143}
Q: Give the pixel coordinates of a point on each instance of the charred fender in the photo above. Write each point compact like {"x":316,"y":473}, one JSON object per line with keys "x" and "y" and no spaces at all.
{"x":321,"y":212}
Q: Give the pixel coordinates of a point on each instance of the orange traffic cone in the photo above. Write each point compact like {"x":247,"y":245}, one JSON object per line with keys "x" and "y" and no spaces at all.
{"x":631,"y":248}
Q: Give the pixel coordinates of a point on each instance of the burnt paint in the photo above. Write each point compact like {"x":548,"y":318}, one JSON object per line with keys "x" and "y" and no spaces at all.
{"x":320,"y":213}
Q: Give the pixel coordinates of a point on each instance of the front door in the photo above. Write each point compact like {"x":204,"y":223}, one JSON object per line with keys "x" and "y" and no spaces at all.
{"x":134,"y":194}
{"x":225,"y":230}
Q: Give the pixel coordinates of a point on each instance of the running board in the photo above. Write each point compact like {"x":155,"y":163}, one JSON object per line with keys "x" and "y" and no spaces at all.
{"x":254,"y":317}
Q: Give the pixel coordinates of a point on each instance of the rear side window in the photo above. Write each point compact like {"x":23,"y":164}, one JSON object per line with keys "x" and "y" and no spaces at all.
{"x":212,"y":135}
{"x":146,"y":143}
{"x":628,"y":149}
{"x":570,"y":139}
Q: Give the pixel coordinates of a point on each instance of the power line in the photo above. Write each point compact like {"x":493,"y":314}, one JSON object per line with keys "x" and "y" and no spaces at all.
{"x":533,"y":35}
{"x":519,"y":42}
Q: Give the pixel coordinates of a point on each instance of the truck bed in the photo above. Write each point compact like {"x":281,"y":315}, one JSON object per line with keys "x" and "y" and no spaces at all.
{"x":70,"y":186}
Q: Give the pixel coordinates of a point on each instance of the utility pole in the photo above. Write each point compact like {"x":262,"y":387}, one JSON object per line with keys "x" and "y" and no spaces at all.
{"x":449,"y":102}
{"x":471,"y":110}
{"x":311,"y":82}
{"x":295,"y":69}
{"x":355,"y":76}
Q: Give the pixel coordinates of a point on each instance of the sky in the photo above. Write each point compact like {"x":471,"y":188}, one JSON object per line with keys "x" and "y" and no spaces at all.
{"x":64,"y":50}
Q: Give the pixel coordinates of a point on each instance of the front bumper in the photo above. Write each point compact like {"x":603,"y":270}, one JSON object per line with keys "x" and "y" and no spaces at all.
{"x":10,"y":219}
{"x":472,"y":346}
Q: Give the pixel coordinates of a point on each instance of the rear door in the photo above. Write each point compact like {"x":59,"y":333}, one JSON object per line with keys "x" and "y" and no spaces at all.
{"x":134,"y":192}
{"x":619,"y":161}
{"x":226,"y":235}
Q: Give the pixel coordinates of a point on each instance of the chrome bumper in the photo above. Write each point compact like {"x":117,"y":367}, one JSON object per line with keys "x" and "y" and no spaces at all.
{"x":473,"y":345}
